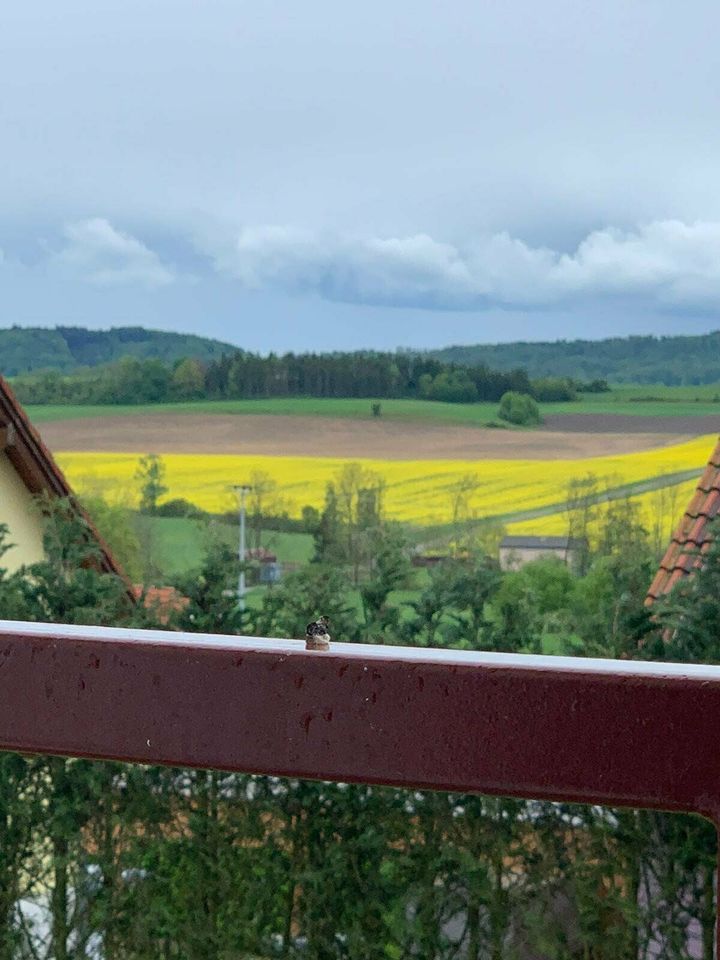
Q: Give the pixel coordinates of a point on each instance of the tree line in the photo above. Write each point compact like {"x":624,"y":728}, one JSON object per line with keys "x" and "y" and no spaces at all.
{"x":241,"y":375}
{"x":120,"y":861}
{"x":671,"y":360}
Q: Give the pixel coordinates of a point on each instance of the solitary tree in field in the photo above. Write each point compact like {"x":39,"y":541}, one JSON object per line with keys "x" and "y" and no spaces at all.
{"x":150,"y":476}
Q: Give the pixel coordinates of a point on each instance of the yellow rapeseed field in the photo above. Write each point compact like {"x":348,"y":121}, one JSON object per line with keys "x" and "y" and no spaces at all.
{"x":658,"y":510}
{"x":417,"y":491}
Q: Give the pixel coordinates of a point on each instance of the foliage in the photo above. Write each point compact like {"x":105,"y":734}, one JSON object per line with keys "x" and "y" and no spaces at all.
{"x":117,"y":525}
{"x":211,"y":593}
{"x":188,"y":380}
{"x":450,"y":386}
{"x":314,"y":591}
{"x":518,"y":408}
{"x":556,"y":389}
{"x":150,"y":478}
{"x":65,"y":349}
{"x":650,"y":359}
{"x":138,"y":379}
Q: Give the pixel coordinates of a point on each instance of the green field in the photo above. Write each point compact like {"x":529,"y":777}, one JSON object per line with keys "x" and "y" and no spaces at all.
{"x":639,"y":401}
{"x":178,"y":544}
{"x":478,"y":413}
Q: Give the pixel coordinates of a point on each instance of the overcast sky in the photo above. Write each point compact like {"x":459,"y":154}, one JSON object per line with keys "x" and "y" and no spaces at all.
{"x":313,"y":175}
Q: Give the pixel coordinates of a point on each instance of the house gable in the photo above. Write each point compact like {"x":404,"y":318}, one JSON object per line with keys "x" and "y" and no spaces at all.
{"x":27,"y":470}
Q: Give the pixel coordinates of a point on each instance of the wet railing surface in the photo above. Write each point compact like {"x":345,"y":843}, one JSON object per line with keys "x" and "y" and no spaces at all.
{"x":555,"y":728}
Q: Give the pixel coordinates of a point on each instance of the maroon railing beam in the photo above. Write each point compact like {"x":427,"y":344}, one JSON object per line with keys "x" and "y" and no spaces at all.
{"x":591,"y":731}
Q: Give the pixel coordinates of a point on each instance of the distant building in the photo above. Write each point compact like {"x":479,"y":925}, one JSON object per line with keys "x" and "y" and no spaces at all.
{"x":270,"y":573}
{"x":265,"y":567}
{"x":515,"y":552}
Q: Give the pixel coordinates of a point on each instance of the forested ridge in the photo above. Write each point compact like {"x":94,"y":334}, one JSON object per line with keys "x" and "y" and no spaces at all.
{"x":673,"y":361}
{"x":23,"y":349}
{"x":676,"y":360}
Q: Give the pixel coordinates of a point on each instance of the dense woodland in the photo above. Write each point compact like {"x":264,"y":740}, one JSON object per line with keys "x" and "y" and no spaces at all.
{"x":23,"y":349}
{"x":677,"y":360}
{"x":671,"y":361}
{"x":249,"y":376}
{"x":140,"y":862}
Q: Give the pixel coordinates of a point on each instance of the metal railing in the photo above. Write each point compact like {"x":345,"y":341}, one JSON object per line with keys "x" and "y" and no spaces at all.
{"x":551,"y":728}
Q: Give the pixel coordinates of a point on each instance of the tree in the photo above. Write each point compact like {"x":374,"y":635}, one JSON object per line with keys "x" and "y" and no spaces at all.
{"x":304,"y":595}
{"x":21,"y":795}
{"x":211,"y":593}
{"x":188,"y":380}
{"x":150,"y":477}
{"x":449,"y":386}
{"x":461,"y":496}
{"x":115,"y":523}
{"x":360,"y":510}
{"x":263,"y":501}
{"x":328,"y":536}
{"x":389,"y":570}
{"x":581,"y":505}
{"x":519,"y":408}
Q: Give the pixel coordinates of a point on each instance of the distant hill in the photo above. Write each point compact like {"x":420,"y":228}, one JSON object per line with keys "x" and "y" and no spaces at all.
{"x":668,"y":360}
{"x":23,"y":349}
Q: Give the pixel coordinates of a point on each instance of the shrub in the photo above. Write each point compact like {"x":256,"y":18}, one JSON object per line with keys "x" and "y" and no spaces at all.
{"x":518,"y":408}
{"x":554,"y":390}
{"x":179,"y":508}
{"x":594,"y":386}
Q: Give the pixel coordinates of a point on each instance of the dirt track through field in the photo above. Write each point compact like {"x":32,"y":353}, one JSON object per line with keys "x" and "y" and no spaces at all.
{"x":354,"y":438}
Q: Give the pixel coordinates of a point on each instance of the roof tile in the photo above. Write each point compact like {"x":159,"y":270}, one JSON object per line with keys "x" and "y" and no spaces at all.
{"x":693,"y":535}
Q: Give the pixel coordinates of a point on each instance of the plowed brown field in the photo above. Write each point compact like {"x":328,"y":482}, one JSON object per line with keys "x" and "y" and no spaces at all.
{"x":276,"y":435}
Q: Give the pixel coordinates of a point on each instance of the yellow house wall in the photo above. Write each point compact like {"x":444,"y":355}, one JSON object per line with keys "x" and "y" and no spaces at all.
{"x":18,"y":511}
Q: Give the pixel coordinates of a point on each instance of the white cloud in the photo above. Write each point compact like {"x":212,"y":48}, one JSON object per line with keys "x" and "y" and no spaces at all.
{"x":106,"y":256}
{"x":666,"y":263}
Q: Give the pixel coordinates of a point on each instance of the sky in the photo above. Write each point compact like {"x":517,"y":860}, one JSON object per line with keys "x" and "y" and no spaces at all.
{"x":391,"y":173}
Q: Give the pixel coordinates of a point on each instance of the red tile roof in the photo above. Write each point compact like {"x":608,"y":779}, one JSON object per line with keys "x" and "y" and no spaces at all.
{"x":692,"y":537}
{"x":163,"y":601}
{"x":37,"y":469}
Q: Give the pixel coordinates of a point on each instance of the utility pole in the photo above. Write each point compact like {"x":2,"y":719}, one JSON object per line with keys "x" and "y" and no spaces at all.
{"x":241,"y":490}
